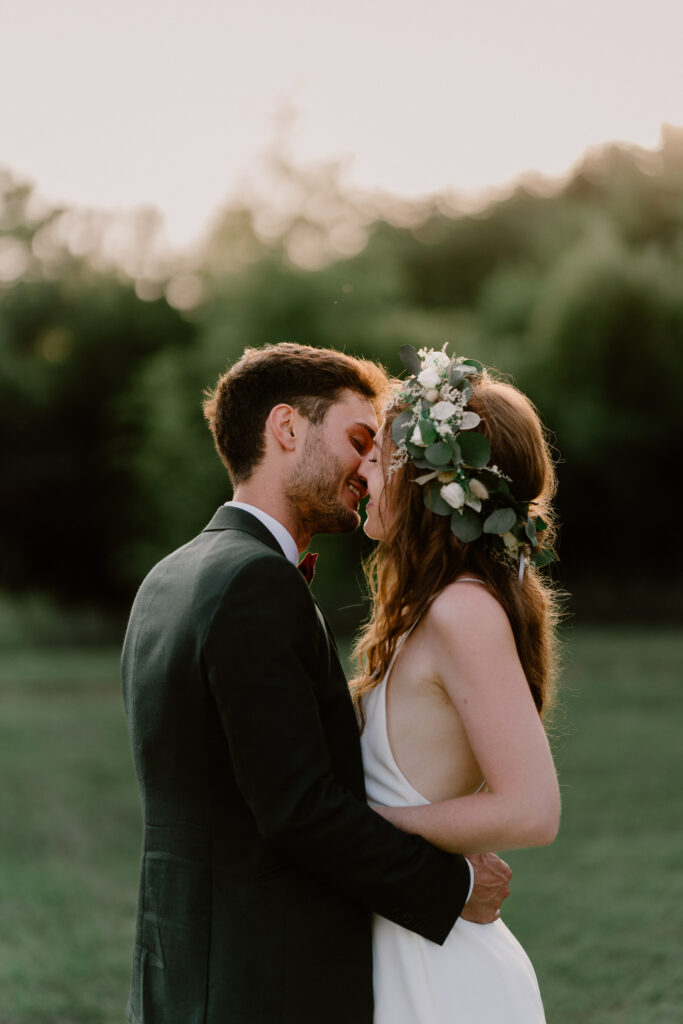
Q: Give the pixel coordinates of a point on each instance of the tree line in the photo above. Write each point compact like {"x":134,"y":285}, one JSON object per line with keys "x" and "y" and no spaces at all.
{"x":573,"y":289}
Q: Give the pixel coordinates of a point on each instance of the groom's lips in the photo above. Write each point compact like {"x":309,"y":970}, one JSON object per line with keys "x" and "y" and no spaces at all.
{"x":357,"y":489}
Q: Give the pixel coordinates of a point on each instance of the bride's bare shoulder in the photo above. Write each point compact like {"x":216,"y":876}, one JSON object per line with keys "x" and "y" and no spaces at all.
{"x":465,"y":612}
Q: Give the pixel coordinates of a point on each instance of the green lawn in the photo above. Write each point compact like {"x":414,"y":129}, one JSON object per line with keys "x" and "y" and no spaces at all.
{"x":599,"y":911}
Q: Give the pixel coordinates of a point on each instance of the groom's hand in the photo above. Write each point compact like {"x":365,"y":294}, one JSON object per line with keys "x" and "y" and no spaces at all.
{"x":491,"y":886}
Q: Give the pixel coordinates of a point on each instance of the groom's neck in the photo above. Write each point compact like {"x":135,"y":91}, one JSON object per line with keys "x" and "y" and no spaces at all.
{"x":262,"y":494}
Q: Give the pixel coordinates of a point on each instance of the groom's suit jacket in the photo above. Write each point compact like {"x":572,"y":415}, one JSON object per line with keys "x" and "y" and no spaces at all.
{"x":261,"y":860}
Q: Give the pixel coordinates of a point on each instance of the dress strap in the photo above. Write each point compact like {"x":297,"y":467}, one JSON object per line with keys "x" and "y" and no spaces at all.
{"x":399,"y":644}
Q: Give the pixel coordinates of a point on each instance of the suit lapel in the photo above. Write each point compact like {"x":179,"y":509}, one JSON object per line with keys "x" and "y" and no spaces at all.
{"x":228,"y":518}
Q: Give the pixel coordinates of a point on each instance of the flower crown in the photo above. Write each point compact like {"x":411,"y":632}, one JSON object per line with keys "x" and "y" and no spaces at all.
{"x":437,"y":433}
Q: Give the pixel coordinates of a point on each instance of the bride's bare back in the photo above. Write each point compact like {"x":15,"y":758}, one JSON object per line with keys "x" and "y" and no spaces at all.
{"x":459,"y":710}
{"x":425,"y":730}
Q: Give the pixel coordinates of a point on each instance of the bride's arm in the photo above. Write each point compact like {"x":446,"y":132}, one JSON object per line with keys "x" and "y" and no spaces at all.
{"x":475,"y":657}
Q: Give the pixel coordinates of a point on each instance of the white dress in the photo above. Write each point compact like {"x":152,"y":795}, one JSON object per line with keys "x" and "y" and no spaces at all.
{"x":481,"y":974}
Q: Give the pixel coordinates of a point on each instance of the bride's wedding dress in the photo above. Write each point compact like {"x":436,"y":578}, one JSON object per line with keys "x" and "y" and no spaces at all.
{"x":481,"y":974}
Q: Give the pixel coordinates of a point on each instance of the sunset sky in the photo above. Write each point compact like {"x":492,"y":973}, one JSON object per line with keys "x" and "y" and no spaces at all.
{"x":171,"y":103}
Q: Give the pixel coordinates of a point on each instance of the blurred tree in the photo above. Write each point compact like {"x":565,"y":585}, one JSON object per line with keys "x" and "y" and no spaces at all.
{"x":574,"y":289}
{"x":68,"y":356}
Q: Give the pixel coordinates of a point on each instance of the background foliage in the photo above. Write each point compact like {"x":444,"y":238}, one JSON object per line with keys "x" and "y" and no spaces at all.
{"x":574,"y":289}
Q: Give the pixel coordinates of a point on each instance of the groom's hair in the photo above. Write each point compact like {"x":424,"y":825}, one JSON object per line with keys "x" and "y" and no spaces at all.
{"x":309,"y":379}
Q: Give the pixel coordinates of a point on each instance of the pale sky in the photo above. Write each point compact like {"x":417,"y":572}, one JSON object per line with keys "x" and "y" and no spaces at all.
{"x":170,"y":102}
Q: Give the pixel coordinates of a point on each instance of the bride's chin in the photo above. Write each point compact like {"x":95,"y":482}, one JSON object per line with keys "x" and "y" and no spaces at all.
{"x":373,"y":530}
{"x":368,"y":531}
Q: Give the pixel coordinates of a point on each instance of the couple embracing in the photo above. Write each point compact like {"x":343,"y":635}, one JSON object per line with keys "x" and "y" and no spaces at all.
{"x":318,"y":856}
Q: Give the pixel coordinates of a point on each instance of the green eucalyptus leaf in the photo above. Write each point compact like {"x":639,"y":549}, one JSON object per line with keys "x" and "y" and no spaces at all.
{"x":530,"y":530}
{"x":543,"y":557}
{"x":400,"y":428}
{"x":410,"y":359}
{"x":439,"y":454}
{"x":490,"y":480}
{"x":541,"y":524}
{"x":428,"y":431}
{"x":466,"y":525}
{"x":476,"y":451}
{"x":456,"y":376}
{"x":431,"y":495}
{"x":455,"y":450}
{"x":501,"y":521}
{"x":477,"y":367}
{"x":414,"y":450}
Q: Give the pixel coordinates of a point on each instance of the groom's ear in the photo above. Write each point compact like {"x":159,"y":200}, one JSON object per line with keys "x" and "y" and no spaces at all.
{"x":282,"y":422}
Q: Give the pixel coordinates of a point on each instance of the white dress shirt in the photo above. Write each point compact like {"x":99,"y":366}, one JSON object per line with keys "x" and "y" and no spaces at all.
{"x":281,"y":534}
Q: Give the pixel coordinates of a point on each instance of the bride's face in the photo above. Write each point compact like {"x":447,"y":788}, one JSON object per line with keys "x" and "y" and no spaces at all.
{"x":373,"y":468}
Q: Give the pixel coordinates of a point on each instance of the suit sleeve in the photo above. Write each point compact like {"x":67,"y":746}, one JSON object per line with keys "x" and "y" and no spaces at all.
{"x":260,"y":663}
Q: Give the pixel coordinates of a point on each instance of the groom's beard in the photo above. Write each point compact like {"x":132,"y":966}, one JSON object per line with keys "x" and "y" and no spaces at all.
{"x":313,"y":492}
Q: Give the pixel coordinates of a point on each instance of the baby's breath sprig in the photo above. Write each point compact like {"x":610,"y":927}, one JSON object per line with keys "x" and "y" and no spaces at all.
{"x":437,"y":432}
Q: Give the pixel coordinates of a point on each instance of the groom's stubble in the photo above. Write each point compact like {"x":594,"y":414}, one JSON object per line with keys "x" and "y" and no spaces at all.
{"x":314,"y":490}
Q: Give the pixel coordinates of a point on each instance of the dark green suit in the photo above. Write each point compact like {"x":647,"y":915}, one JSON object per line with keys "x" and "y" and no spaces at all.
{"x":261,"y":861}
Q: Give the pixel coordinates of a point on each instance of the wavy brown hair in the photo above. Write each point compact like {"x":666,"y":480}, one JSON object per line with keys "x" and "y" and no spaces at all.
{"x":420,"y":555}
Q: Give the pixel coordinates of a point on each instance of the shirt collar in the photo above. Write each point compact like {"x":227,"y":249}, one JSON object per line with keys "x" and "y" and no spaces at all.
{"x":281,"y":533}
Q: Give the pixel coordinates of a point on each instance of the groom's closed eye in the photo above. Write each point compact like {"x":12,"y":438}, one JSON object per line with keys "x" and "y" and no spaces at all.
{"x":362,"y":441}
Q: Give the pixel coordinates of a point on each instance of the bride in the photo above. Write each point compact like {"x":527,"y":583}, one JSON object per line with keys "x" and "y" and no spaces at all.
{"x":455,"y":667}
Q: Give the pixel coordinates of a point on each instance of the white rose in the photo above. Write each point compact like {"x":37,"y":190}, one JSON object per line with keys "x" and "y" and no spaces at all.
{"x":443,"y":429}
{"x":470,"y":420}
{"x":429,"y":377}
{"x":454,"y":494}
{"x":478,"y":489}
{"x":432,"y":395}
{"x":510,"y":540}
{"x":417,"y":437}
{"x":443,"y":410}
{"x":439,"y":360}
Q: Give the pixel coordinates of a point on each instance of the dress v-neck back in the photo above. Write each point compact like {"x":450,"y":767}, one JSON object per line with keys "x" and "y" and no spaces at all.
{"x":383,"y":774}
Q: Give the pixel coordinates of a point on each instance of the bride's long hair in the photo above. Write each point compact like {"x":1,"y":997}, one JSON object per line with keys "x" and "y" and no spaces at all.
{"x":420,"y":555}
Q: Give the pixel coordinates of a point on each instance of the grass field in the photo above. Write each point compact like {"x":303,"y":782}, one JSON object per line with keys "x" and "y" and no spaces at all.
{"x":599,"y":911}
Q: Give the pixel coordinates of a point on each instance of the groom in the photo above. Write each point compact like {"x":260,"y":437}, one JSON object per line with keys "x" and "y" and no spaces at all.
{"x":261,"y":861}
